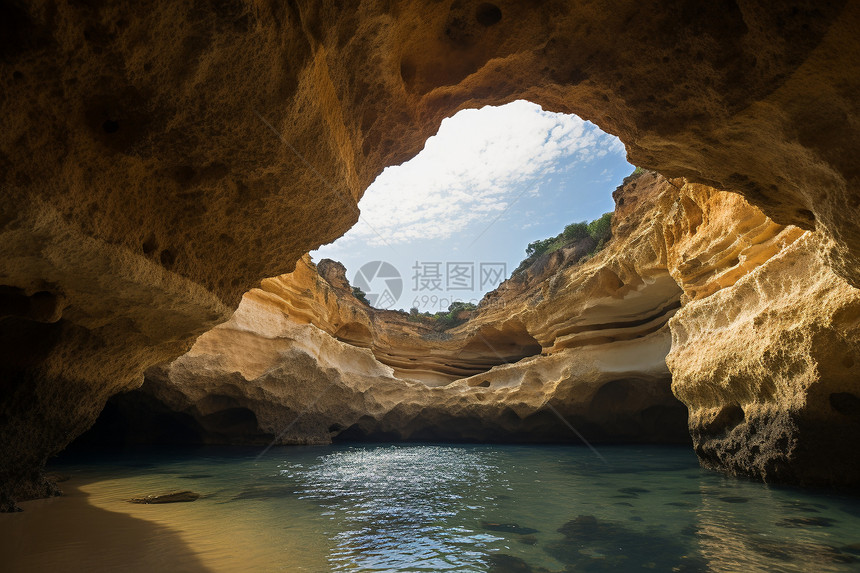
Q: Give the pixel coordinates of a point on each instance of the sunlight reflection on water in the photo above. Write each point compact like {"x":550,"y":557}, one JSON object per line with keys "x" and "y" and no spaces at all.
{"x":396,"y":505}
{"x":441,"y":508}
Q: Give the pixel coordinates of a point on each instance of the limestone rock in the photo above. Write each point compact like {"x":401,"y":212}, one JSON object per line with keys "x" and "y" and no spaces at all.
{"x":763,"y":352}
{"x":768,"y":369}
{"x":765,"y":345}
{"x":171,"y":497}
{"x":157,"y":159}
{"x":299,"y":385}
{"x":303,"y":361}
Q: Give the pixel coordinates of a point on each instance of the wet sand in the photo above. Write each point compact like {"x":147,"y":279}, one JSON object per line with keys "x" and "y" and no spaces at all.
{"x":92,"y":528}
{"x":71,"y":534}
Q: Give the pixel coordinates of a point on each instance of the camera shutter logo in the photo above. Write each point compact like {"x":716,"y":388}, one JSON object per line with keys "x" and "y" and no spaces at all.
{"x":381,"y":282}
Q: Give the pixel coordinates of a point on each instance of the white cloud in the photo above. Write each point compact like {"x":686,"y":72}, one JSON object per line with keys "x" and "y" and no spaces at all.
{"x":472,"y":170}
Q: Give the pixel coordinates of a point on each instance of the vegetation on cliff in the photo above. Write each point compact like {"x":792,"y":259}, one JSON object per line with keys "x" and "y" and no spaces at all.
{"x":597,"y":233}
{"x":458,"y":312}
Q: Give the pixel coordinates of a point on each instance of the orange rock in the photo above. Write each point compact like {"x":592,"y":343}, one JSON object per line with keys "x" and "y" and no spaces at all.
{"x":157,"y":160}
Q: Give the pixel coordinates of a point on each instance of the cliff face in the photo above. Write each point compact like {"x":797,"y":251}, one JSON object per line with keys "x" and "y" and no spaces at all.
{"x":157,"y":159}
{"x":765,"y":345}
{"x":765,"y":348}
{"x":759,"y":334}
{"x":307,"y":362}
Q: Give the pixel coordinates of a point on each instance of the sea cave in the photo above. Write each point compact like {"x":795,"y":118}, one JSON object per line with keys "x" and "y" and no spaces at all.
{"x":185,"y":385}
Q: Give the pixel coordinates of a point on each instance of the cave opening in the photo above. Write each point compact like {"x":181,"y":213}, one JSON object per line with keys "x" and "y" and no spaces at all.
{"x":492,"y":183}
{"x":500,"y":195}
{"x":143,"y":203}
{"x":490,"y":193}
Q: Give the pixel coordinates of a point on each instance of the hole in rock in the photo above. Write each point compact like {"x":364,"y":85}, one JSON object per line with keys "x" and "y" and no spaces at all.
{"x":845,"y":403}
{"x":167,"y":258}
{"x":232,"y":421}
{"x":493,"y":187}
{"x":807,"y":216}
{"x":727,"y":418}
{"x":110,"y":126}
{"x":510,"y":193}
{"x":137,"y":417}
{"x":488,"y":14}
{"x":355,"y":334}
{"x":149,"y":245}
{"x":25,"y":343}
{"x":40,"y":306}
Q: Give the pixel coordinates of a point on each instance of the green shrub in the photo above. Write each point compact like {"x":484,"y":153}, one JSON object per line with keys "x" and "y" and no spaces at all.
{"x":459,"y":306}
{"x":537,"y":248}
{"x":599,"y":230}
{"x":576,"y":231}
{"x":450,"y":319}
{"x":360,"y":295}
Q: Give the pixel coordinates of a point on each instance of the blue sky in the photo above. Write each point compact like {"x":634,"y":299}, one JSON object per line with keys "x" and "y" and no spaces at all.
{"x":492,"y":180}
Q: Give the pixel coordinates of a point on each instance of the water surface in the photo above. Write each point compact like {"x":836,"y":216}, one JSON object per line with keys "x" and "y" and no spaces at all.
{"x":428,"y":508}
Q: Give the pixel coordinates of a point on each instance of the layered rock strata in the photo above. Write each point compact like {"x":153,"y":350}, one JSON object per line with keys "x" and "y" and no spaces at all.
{"x":763,"y":349}
{"x":304,"y":361}
{"x":157,"y":159}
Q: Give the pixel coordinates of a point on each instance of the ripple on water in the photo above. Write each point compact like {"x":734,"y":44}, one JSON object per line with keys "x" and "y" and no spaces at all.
{"x":475,"y":508}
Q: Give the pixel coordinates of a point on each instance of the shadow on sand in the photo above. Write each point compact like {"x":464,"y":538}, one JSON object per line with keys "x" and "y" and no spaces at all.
{"x":69,"y":534}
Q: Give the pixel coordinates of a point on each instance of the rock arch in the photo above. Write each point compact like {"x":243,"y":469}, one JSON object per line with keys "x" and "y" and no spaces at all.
{"x":157,"y":161}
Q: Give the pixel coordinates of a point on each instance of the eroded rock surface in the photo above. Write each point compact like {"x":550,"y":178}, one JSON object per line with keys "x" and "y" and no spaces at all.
{"x":157,"y":159}
{"x":304,"y":361}
{"x":768,"y":361}
{"x":763,"y":350}
{"x":184,"y":496}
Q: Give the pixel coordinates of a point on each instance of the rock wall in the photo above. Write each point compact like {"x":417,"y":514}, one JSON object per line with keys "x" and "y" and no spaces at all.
{"x":295,"y":384}
{"x":157,"y":159}
{"x":763,"y":349}
{"x":303,"y":361}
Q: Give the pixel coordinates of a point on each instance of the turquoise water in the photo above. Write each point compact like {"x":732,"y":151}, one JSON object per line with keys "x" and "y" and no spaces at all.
{"x":478,"y":508}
